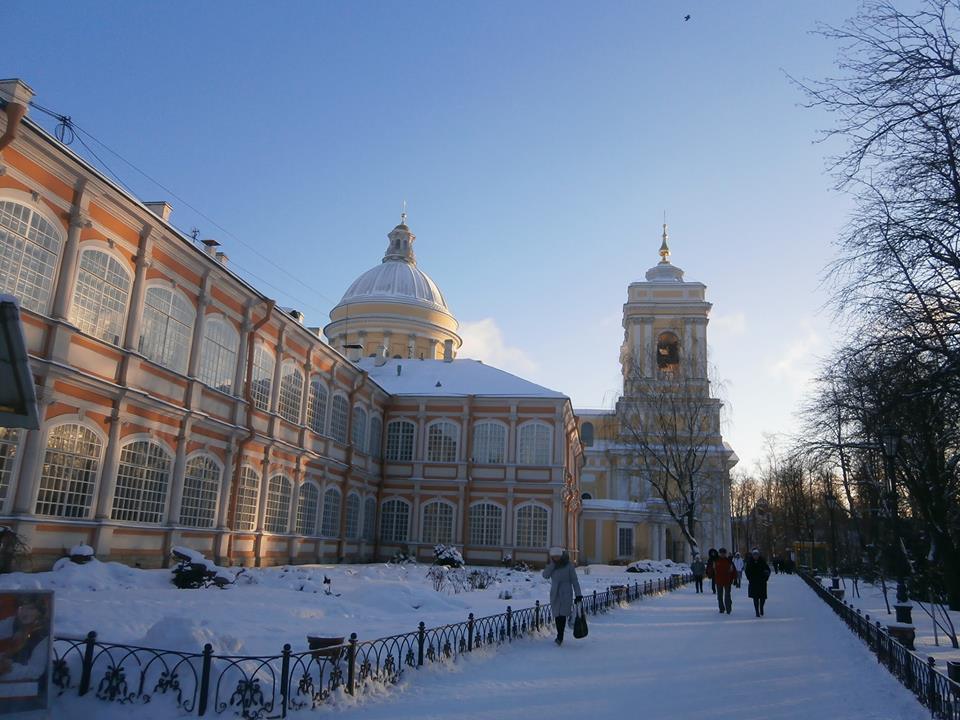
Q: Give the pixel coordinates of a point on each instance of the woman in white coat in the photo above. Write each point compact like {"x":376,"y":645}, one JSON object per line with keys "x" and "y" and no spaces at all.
{"x":564,"y":588}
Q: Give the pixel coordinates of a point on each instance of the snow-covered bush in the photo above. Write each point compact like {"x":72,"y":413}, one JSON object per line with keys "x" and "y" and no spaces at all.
{"x":195,"y":571}
{"x":505,"y":595}
{"x":81,"y":554}
{"x":481,"y":579}
{"x":402,"y":557}
{"x":447,"y":555}
{"x":12,"y":549}
{"x":437,"y":575}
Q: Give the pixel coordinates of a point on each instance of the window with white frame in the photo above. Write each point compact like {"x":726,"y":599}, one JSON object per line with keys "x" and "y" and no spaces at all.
{"x":400,"y":434}
{"x":167,"y":328}
{"x":99,"y":305}
{"x":625,"y":541}
{"x":534,"y":444}
{"x":291,"y":392}
{"x":532,"y":526}
{"x":394,"y":521}
{"x":442,"y":442}
{"x":276,"y":518}
{"x":358,"y":429}
{"x":218,"y":354}
{"x":331,"y":513}
{"x":248,"y":498}
{"x":317,"y":406}
{"x":71,"y":465}
{"x":142,"y":482}
{"x":437,"y":523}
{"x":486,"y":524}
{"x":376,"y":437}
{"x":489,"y":443}
{"x":201,"y":488}
{"x":338,"y":419}
{"x":353,"y":516}
{"x":29,"y":251}
{"x":261,"y":381}
{"x":308,"y":509}
{"x":9,"y":442}
{"x":369,"y":519}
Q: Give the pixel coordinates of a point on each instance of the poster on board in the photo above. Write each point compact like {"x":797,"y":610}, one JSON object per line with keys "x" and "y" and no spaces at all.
{"x":26,"y":647}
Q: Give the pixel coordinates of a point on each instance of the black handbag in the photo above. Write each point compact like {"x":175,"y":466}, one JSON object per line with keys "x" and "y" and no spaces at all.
{"x":580,"y":628}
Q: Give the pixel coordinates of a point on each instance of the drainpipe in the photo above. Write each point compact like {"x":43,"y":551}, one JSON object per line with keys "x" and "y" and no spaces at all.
{"x":251,"y":432}
{"x":17,"y":95}
{"x":342,"y":541}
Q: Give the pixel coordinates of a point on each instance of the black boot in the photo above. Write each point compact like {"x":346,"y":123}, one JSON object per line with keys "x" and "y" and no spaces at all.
{"x":561,"y":624}
{"x":756,"y":606}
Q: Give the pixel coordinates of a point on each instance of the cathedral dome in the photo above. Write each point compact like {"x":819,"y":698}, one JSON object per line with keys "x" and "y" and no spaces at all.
{"x":396,"y":280}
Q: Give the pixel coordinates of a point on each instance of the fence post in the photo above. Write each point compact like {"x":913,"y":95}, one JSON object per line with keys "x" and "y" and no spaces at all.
{"x":536,"y":615}
{"x":421,"y":639}
{"x":470,"y":628}
{"x":87,"y":668}
{"x":594,"y":602}
{"x":509,"y":623}
{"x":205,"y":679}
{"x":932,"y":685}
{"x":285,"y":679}
{"x":636,"y":590}
{"x":352,"y":664}
{"x":879,"y":643}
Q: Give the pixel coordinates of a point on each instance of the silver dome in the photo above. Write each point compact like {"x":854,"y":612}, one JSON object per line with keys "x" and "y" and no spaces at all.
{"x":394,"y":281}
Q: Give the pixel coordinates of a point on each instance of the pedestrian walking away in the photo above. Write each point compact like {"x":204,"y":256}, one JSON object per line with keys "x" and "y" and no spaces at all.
{"x":738,"y":564}
{"x":697,"y":569}
{"x":564,"y":588}
{"x":757,"y":572}
{"x":723,"y":575}
{"x":711,"y":558}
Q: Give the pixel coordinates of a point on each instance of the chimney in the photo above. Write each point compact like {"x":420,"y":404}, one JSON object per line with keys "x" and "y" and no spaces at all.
{"x":160,"y":208}
{"x":295,"y":314}
{"x":381,"y":358}
{"x":222,"y":258}
{"x":17,"y":95}
{"x":210,"y":246}
{"x":353,"y":352}
{"x":448,"y":350}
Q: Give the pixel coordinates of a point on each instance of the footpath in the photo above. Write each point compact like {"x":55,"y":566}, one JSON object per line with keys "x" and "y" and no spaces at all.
{"x":674,"y":656}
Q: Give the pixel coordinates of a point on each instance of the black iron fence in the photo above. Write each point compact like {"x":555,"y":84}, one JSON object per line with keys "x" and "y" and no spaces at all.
{"x":932,"y":688}
{"x":256,"y":687}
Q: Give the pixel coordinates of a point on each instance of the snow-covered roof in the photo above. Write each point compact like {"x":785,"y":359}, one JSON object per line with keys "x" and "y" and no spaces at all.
{"x":395,"y":281}
{"x":455,"y":378}
{"x":584,"y":412}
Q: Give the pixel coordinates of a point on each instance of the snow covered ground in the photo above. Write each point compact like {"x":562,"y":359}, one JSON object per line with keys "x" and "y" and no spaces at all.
{"x":871,"y":602}
{"x":268,"y":607}
{"x":669,"y":657}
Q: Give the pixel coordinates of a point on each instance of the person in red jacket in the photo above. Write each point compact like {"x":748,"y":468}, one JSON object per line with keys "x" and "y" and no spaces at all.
{"x":724,"y":573}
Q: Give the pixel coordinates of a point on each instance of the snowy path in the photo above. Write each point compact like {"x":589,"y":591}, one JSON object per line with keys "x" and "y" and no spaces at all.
{"x":672,"y":657}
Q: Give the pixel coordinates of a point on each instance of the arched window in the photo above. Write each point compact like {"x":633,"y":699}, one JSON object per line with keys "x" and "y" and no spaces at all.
{"x":668,"y":352}
{"x":218,"y":355}
{"x":437,"y":523}
{"x":248,"y":497}
{"x":394,"y":521}
{"x":331,"y":513}
{"x":9,"y":442}
{"x":353,"y":516}
{"x":291,"y":392}
{"x":308,"y":508}
{"x":29,"y":250}
{"x":369,"y":519}
{"x":338,"y":419}
{"x":586,"y":434}
{"x":486,"y":524}
{"x":534,"y":444}
{"x":400,"y":434}
{"x":532,"y":526}
{"x":317,"y":406}
{"x":442,"y":442}
{"x":358,"y":430}
{"x":261,"y":381}
{"x":276,"y":517}
{"x":142,"y":481}
{"x":100,"y":299}
{"x":167,"y":328}
{"x":70,"y":468}
{"x":201,"y":488}
{"x":376,"y":437}
{"x":489,"y":443}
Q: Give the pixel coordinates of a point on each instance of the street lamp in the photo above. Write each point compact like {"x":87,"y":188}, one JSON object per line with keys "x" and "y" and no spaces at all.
{"x":891,"y":443}
{"x":831,"y":501}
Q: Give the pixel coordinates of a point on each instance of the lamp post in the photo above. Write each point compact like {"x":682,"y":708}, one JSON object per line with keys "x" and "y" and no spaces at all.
{"x":891,"y":442}
{"x":831,"y":502}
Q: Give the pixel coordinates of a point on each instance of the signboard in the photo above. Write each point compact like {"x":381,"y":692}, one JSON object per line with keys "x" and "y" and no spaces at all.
{"x":26,"y":649}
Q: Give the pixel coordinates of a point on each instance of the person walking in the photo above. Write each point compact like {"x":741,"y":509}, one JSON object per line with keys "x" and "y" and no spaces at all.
{"x":738,"y":564}
{"x":723,"y":575}
{"x":711,"y":558}
{"x":698,"y":568}
{"x":564,"y":588}
{"x":757,"y":572}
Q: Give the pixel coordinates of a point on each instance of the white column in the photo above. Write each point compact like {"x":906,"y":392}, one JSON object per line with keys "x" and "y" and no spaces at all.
{"x":67,"y":278}
{"x":226,"y":485}
{"x":111,"y":464}
{"x":135,"y":313}
{"x":175,"y":501}
{"x":277,"y":373}
{"x":199,"y":328}
{"x":663,"y":541}
{"x":33,"y":449}
{"x":264,"y":489}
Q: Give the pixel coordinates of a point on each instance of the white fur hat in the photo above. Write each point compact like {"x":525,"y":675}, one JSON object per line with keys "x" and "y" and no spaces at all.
{"x":556,"y":551}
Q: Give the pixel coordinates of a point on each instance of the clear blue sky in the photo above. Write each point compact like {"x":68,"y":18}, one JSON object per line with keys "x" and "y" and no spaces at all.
{"x":536,"y":143}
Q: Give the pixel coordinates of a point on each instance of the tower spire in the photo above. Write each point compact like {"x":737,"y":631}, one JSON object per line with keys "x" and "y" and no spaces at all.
{"x":664,"y":247}
{"x":403,"y":214}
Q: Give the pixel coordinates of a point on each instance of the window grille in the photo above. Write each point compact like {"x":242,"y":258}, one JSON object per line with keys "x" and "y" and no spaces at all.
{"x":489,"y":443}
{"x":400,"y":434}
{"x":218,"y":356}
{"x":442,"y":442}
{"x":262,"y":378}
{"x":331,"y":513}
{"x":534,"y":444}
{"x":394,"y":521}
{"x":29,"y":251}
{"x":277,"y":514}
{"x":376,"y":437}
{"x":308,"y":507}
{"x":532,"y":526}
{"x":201,"y":488}
{"x":291,"y":393}
{"x":369,"y":519}
{"x":9,"y":442}
{"x":167,"y":328}
{"x":353,"y":516}
{"x":99,"y":305}
{"x":437,"y":523}
{"x":358,"y":430}
{"x":71,"y":465}
{"x":248,"y":497}
{"x":486,"y":524}
{"x":142,"y":481}
{"x":317,"y":407}
{"x":338,"y":419}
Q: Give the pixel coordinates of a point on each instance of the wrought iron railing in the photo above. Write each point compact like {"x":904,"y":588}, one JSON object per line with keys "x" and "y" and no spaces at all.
{"x":257,"y":687}
{"x":932,"y":688}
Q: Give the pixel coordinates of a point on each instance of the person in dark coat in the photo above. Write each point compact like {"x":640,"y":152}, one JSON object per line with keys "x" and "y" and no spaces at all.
{"x":757,"y":572}
{"x":564,"y":588}
{"x":697,"y":569}
{"x":724,"y":573}
{"x":711,"y":558}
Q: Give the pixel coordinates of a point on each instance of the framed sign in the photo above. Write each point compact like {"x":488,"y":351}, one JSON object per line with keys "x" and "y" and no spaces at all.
{"x":26,"y":649}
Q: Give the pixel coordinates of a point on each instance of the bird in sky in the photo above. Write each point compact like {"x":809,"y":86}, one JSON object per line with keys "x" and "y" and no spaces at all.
{"x":686,"y":18}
